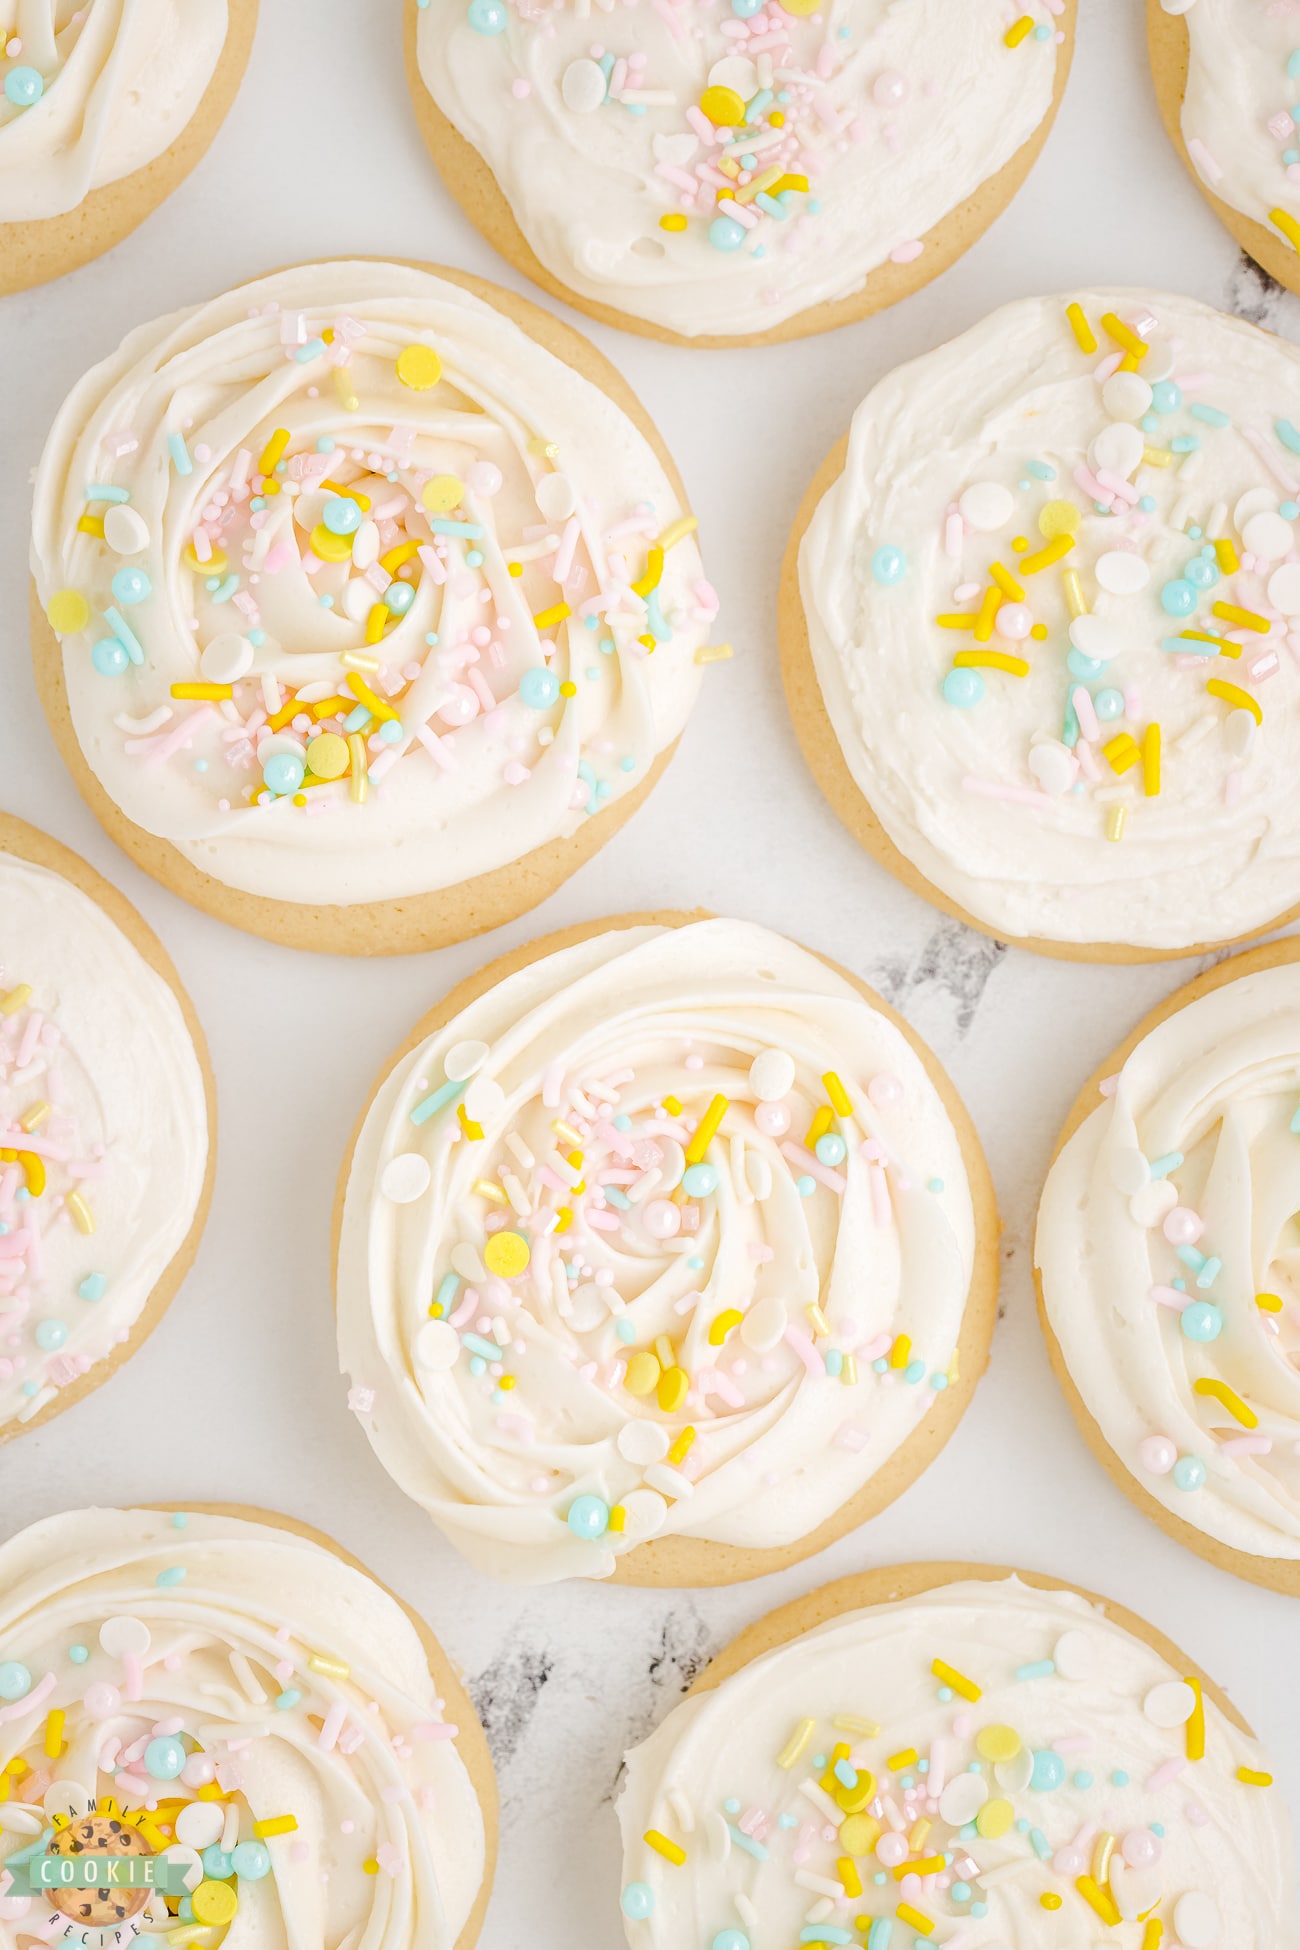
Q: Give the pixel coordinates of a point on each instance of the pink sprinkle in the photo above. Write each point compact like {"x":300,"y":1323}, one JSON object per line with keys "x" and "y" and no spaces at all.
{"x":1167,"y":1772}
{"x":794,"y":1337}
{"x":906,"y":253}
{"x":1204,"y":161}
{"x":327,"y":1739}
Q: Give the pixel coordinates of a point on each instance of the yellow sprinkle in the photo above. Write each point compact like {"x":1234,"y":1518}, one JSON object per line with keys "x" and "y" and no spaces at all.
{"x":1083,"y":332}
{"x":1234,"y":695}
{"x":847,"y":1871}
{"x":493,"y":1193}
{"x":1101,"y":1854}
{"x":546,"y":619}
{"x":1195,"y":1728}
{"x":674,"y":1385}
{"x":1013,"y":37}
{"x":724,"y":107}
{"x":210,"y":693}
{"x":618,"y":1518}
{"x":916,"y":1918}
{"x":1152,"y":1934}
{"x":360,"y":777}
{"x":1099,"y":1900}
{"x":370,"y":1867}
{"x":677,"y":531}
{"x":419,"y":367}
{"x":1226,"y":557}
{"x":1253,"y":1778}
{"x":957,"y":1680}
{"x":849,"y":1371}
{"x":1269,"y":1303}
{"x":275,"y":1825}
{"x":818,"y":1320}
{"x":1073,"y":592}
{"x":1231,"y":1400}
{"x":82,"y":1217}
{"x":1057,"y":518}
{"x":1049,"y":1899}
{"x":671,"y":1851}
{"x":352,"y":493}
{"x":673,"y":1105}
{"x":563,"y":1219}
{"x":16,"y":999}
{"x":838,"y":1095}
{"x":795,"y":1745}
{"x":1116,"y":820}
{"x":991,"y":660}
{"x":91,"y":525}
{"x":331,"y":1668}
{"x":1245,"y":619}
{"x":1157,"y":457}
{"x":1007,"y":583}
{"x":723,"y":1325}
{"x":31,"y":1120}
{"x":674,"y":220}
{"x":990,"y":604}
{"x":1124,"y":335}
{"x":707,"y":1130}
{"x":682,"y":1447}
{"x":715,"y":653}
{"x":906,"y":1757}
{"x":358,"y":660}
{"x":1044,"y":557}
{"x":67,"y":611}
{"x":1151,"y":760}
{"x":362,"y":692}
{"x":274,"y":451}
{"x":957,"y":620}
{"x":1122,"y":752}
{"x":767,"y":179}
{"x":1287,"y":224}
{"x":820,"y":1125}
{"x":926,"y":1865}
{"x":917,"y":1833}
{"x":901,"y":1352}
{"x":1221,"y":643}
{"x":54,"y":1733}
{"x":325,"y":545}
{"x":344,"y":388}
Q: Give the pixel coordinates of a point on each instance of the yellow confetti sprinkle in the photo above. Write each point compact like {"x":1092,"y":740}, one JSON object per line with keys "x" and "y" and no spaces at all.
{"x":671,"y":1851}
{"x":419,"y":367}
{"x":957,"y":1680}
{"x":507,"y":1254}
{"x":67,"y":612}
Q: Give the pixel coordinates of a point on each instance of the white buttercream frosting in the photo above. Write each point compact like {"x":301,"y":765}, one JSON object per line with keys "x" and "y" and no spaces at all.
{"x":470,"y":565}
{"x":103,"y":1135}
{"x":837,"y":138}
{"x":118,"y":82}
{"x":1169,"y":1251}
{"x":556,"y":1289}
{"x":1056,"y":1801}
{"x":1241,"y":105}
{"x":1048,"y":600}
{"x":292,"y":1689}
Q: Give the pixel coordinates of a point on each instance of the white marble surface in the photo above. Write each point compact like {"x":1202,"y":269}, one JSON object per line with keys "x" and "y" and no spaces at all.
{"x":236,"y":1396}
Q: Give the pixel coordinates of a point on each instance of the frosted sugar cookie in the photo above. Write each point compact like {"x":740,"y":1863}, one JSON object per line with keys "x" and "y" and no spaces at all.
{"x":949,"y":1753}
{"x":1169,"y":1265}
{"x":105,"y":106}
{"x":720,"y":174}
{"x":377,"y":601}
{"x":267,"y":1736}
{"x":1039,"y":626}
{"x":107,"y":1129}
{"x":665,"y":1251}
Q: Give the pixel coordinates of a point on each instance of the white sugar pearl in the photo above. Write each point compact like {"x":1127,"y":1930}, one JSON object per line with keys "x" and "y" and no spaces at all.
{"x":436,"y":1346}
{"x":1196,"y":1921}
{"x":556,"y":497}
{"x":962,"y":1798}
{"x":1148,"y":1207}
{"x":987,"y":505}
{"x":1121,"y":572}
{"x":124,"y":1638}
{"x":1284,"y":589}
{"x":583,"y":86}
{"x":1159,"y":362}
{"x":1135,"y":1890}
{"x":1126,"y":396}
{"x":764,"y":1324}
{"x":200,"y":1824}
{"x":1269,"y":536}
{"x":1253,"y":502}
{"x":1096,"y":637}
{"x":643,"y":1443}
{"x":405,"y":1178}
{"x":463,"y":1059}
{"x":644,"y":1511}
{"x":227,"y":658}
{"x":1053,"y":766}
{"x":771,"y":1075}
{"x":1118,"y":448}
{"x":125,"y":530}
{"x":735,"y":71}
{"x":1075,"y":1655}
{"x":1129,"y":1170}
{"x":1170,"y":1704}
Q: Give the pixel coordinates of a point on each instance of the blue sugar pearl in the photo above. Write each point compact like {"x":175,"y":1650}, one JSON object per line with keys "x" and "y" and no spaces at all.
{"x":390,"y":732}
{"x":78,"y":1654}
{"x":963,"y":688}
{"x":164,"y":1758}
{"x":50,"y":1335}
{"x":251,"y":1860}
{"x":1083,"y":667}
{"x":1202,"y":574}
{"x":398,"y":597}
{"x":342,"y":515}
{"x":131,"y":586}
{"x":831,"y":1149}
{"x":539,"y":688}
{"x":1119,"y":1778}
{"x":487,"y":16}
{"x":625,"y":1330}
{"x":474,"y":558}
{"x":1178,"y":598}
{"x":699,"y":1180}
{"x":725,"y":234}
{"x":889,"y":564}
{"x":805,"y":1186}
{"x":1109,"y":704}
{"x":1083,"y":1780}
{"x":588,"y":1517}
{"x":1147,"y":503}
{"x":731,"y":1940}
{"x":960,"y":1892}
{"x":1200,"y":1320}
{"x":185,"y":1910}
{"x":283,"y":772}
{"x":1049,"y":1771}
{"x":15,"y":1680}
{"x":23,"y":86}
{"x":109,"y":657}
{"x":1189,"y":1473}
{"x":746,"y":9}
{"x":1166,"y":397}
{"x":637,"y":1900}
{"x":944,"y":1695}
{"x":731,"y":1806}
{"x":1290,"y":509}
{"x":914,"y":1373}
{"x":939,"y":1381}
{"x":216,"y":1863}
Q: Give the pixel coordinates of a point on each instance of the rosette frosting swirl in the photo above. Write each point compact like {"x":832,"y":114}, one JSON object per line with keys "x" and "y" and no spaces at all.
{"x":667,"y":1233}
{"x":363,"y":593}
{"x":1169,"y":1248}
{"x":259,"y":1709}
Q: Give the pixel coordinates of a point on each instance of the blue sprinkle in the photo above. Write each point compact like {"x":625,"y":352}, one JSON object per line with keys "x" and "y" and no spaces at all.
{"x":125,"y":635}
{"x":1287,"y":434}
{"x":312,"y":350}
{"x":290,"y":1697}
{"x":1191,"y":1257}
{"x":1211,"y":415}
{"x":101,"y":491}
{"x":180,"y":453}
{"x":1040,"y":470}
{"x":174,"y":1574}
{"x":1162,"y":1166}
{"x":93,"y":1287}
{"x":914,"y":1372}
{"x":747,"y":1843}
{"x":1040,"y":1669}
{"x":448,"y":1287}
{"x":440,"y":526}
{"x":477,"y":1345}
{"x":429,"y":1106}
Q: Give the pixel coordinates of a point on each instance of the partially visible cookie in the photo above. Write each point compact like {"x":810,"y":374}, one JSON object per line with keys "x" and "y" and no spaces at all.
{"x":104,"y":108}
{"x":728,"y":175}
{"x":107,"y":1129}
{"x":1227,"y":79}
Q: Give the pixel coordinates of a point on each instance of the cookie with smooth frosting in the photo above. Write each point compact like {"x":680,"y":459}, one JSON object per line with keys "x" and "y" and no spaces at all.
{"x":1040,"y":625}
{"x":241,"y":1701}
{"x":367,"y":604}
{"x":954,"y":1754}
{"x":717,"y":174}
{"x":107,"y":1129}
{"x":1168,"y":1265}
{"x":665,"y":1251}
{"x":1227,"y":77}
{"x":105,"y":106}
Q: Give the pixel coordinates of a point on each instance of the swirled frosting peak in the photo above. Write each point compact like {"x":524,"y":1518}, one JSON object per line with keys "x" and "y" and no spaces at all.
{"x":668,"y":1232}
{"x":362,"y":592}
{"x":91,"y":90}
{"x":986,"y":1766}
{"x":255,"y":1711}
{"x":1169,"y":1248}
